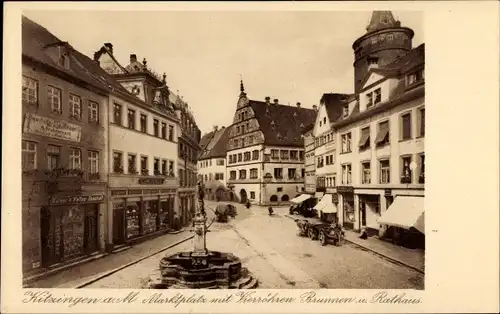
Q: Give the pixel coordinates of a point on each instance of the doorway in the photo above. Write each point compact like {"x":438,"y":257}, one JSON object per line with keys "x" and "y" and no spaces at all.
{"x":91,"y":243}
{"x":243,"y":196}
{"x":118,"y":224}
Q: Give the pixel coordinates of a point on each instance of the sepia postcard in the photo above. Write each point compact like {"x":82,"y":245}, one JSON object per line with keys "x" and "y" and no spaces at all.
{"x":250,"y":157}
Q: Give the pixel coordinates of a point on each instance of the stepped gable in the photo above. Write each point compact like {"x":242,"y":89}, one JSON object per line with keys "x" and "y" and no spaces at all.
{"x":282,"y":125}
{"x":37,"y":42}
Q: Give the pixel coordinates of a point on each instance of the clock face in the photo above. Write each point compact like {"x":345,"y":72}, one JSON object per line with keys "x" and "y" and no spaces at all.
{"x":136,"y":90}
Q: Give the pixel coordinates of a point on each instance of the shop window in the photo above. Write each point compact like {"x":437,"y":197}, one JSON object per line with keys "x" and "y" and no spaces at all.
{"x":150,"y":216}
{"x":29,"y":153}
{"x":366,"y":173}
{"x":406,"y":126}
{"x":131,"y":119}
{"x":144,"y":123}
{"x":117,"y":114}
{"x":54,"y":99}
{"x":278,"y":173}
{"x":30,"y":91}
{"x":53,"y":157}
{"x":385,"y":171}
{"x":406,"y":173}
{"x":93,"y":108}
{"x":75,"y":107}
{"x":132,"y":218}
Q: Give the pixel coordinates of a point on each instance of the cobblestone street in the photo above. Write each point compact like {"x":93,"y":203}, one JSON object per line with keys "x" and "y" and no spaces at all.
{"x":270,"y":248}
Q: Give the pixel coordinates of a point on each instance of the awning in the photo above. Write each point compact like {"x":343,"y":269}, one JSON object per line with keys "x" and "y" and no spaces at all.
{"x":365,"y":136}
{"x":405,"y":212}
{"x":319,"y":194}
{"x":382,"y":133}
{"x":299,"y":199}
{"x":326,"y":205}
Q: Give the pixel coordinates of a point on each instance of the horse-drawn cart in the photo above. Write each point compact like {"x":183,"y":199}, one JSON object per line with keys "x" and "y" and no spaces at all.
{"x":322,"y":231}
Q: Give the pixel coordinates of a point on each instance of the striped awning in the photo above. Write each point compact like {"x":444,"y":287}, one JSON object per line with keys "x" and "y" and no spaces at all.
{"x":299,"y":199}
{"x":405,"y":212}
{"x":326,"y":205}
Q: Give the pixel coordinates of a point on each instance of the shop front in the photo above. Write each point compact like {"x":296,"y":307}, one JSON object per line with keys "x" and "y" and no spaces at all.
{"x":140,"y":213}
{"x":69,"y":228}
{"x":346,"y":201}
{"x":369,"y":213}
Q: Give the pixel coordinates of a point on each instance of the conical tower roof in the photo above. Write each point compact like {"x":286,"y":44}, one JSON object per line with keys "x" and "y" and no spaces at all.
{"x":381,"y":20}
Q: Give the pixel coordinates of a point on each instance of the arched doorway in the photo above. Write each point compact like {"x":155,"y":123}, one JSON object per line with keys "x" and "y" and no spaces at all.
{"x":219,"y":194}
{"x":243,"y":196}
{"x":274,"y":198}
{"x":285,"y":198}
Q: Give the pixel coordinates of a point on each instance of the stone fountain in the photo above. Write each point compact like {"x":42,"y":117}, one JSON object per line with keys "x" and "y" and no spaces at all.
{"x":201,"y":268}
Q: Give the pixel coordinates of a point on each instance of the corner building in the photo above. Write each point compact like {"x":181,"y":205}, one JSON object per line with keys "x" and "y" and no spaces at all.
{"x":265,"y":150}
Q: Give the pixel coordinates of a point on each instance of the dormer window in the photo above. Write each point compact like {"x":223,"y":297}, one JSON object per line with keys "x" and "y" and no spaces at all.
{"x":373,"y":98}
{"x":415,"y":77}
{"x":377,"y":96}
{"x":63,"y":58}
{"x":345,"y":111}
{"x":369,"y":100}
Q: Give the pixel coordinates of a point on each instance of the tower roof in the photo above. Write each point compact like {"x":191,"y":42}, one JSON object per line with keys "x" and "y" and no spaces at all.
{"x":381,"y":20}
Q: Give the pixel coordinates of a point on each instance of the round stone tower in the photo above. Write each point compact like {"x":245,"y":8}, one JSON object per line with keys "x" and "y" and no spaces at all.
{"x":384,"y":41}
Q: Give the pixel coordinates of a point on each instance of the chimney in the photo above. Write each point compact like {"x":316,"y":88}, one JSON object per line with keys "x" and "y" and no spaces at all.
{"x":315,"y":107}
{"x":133,"y":58}
{"x":298,"y":104}
{"x":216,"y":128}
{"x":268,"y":99}
{"x":276,"y":101}
{"x":109,"y":46}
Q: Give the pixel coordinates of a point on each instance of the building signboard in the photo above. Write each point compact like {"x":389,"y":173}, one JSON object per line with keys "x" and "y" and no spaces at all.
{"x":345,"y":189}
{"x":49,"y":127}
{"x":151,"y":181}
{"x":77,"y":199}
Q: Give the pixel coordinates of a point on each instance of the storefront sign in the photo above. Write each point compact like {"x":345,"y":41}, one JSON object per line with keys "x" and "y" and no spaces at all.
{"x":78,"y":199}
{"x":151,"y":181}
{"x":131,"y":192}
{"x":387,"y":192}
{"x":345,"y":189}
{"x":118,"y":192}
{"x":49,"y":127}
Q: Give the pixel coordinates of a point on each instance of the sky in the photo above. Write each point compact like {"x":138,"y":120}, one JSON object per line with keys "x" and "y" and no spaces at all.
{"x":294,"y":56}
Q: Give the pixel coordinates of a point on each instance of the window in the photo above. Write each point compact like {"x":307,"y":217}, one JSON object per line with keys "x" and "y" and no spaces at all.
{"x":171,"y":168}
{"x":377,"y":96}
{"x":163,"y":130}
{"x":346,"y":174}
{"x":237,"y":130}
{"x":164,"y":167}
{"x":30,"y":90}
{"x":132,"y":167}
{"x":131,"y":119}
{"x":415,"y":77}
{"x":93,"y":112}
{"x":144,"y":165}
{"x":63,"y":57}
{"x":232,"y":175}
{"x":421,"y":177}
{"x":421,"y":115}
{"x":255,"y":155}
{"x":301,"y":155}
{"x":406,"y":126}
{"x":252,"y":195}
{"x":144,"y":123}
{"x":279,"y":189}
{"x":346,"y":143}
{"x":75,"y":107}
{"x":246,"y":156}
{"x":156,"y":125}
{"x":274,"y":154}
{"x":292,"y":173}
{"x":156,"y":166}
{"x":117,"y":114}
{"x":385,"y":171}
{"x":369,"y":100}
{"x":243,"y":174}
{"x":324,"y":120}
{"x":253,"y":173}
{"x":54,"y":99}
{"x":93,"y":157}
{"x":406,"y":173}
{"x":220,"y":162}
{"x":240,"y":157}
{"x":383,"y":134}
{"x":293,"y":155}
{"x":365,"y":175}
{"x":364,"y":139}
{"x":278,"y":173}
{"x":29,"y":155}
{"x":303,"y":172}
{"x":53,"y":157}
{"x":284,"y":154}
{"x":170,"y":133}
{"x":117,"y":162}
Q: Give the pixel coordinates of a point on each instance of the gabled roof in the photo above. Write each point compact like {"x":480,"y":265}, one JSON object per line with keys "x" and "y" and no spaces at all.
{"x":103,"y":50}
{"x":35,"y":42}
{"x":219,"y":148}
{"x":282,"y":125}
{"x":206,"y":139}
{"x":334,"y":103}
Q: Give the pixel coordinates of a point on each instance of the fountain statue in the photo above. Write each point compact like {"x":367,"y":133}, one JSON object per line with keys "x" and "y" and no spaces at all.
{"x":201,"y":268}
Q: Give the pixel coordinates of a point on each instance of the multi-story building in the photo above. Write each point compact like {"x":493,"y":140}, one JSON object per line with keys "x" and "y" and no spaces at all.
{"x":142,"y":185}
{"x":188,"y":151}
{"x":309,"y":160}
{"x":265,"y":150}
{"x":63,"y":153}
{"x":380,"y":134}
{"x":212,"y":166}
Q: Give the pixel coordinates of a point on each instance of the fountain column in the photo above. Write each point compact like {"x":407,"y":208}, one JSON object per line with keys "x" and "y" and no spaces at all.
{"x":200,"y":225}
